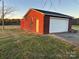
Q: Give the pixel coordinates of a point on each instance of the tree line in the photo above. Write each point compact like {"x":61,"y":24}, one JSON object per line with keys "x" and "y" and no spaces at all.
{"x":75,"y":21}
{"x":10,"y":22}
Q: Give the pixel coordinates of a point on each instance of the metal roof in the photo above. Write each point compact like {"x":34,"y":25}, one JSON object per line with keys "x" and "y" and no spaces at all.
{"x":50,"y":13}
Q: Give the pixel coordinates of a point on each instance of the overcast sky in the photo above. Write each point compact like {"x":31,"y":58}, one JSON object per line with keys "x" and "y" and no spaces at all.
{"x":69,"y":7}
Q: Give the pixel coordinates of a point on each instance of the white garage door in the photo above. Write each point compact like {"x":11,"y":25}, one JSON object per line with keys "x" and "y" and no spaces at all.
{"x":58,"y":25}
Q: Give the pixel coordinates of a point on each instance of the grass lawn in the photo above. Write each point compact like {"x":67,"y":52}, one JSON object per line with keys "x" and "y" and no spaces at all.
{"x":17,"y":44}
{"x":76,"y":27}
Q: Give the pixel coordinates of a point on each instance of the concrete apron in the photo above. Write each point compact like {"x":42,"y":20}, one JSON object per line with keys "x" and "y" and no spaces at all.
{"x":64,"y":39}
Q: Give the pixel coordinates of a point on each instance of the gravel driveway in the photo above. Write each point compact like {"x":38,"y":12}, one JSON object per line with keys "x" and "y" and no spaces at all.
{"x":73,"y":37}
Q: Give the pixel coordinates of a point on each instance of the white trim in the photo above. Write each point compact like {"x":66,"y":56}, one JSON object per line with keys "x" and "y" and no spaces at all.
{"x":38,"y":11}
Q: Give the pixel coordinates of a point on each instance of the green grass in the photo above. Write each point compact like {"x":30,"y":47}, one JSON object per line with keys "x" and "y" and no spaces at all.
{"x":76,"y":27}
{"x":17,"y":44}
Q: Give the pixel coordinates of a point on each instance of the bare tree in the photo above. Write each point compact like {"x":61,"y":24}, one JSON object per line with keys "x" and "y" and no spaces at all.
{"x":4,"y":12}
{"x":7,"y":11}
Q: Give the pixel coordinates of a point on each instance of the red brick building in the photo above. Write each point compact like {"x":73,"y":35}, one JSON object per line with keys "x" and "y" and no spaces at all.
{"x":44,"y":22}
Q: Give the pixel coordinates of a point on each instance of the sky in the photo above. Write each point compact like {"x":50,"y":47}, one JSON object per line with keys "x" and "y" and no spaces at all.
{"x":68,"y":7}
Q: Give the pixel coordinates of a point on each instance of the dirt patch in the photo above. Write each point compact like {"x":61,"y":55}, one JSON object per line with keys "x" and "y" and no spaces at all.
{"x":11,"y":27}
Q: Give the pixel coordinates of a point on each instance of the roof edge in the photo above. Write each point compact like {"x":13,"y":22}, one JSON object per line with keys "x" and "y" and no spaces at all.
{"x":50,"y":13}
{"x":30,"y":10}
